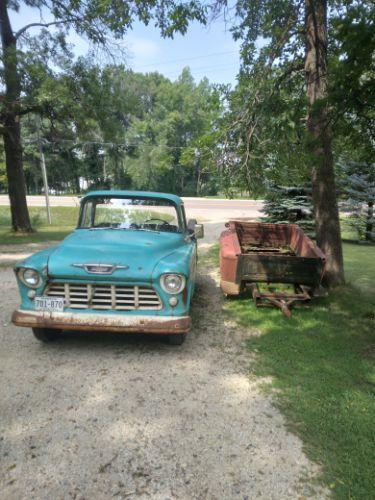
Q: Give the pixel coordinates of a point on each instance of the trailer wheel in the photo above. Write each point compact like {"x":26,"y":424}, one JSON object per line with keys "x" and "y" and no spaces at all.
{"x":46,"y":334}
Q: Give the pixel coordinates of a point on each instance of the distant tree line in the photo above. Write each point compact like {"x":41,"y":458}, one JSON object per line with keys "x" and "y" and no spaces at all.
{"x":110,"y":127}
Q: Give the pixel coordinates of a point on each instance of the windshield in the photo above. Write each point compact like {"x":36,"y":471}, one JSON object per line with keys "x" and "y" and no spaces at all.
{"x":152,"y":214}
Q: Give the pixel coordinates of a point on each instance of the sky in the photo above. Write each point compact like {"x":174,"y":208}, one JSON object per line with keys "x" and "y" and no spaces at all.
{"x":208,"y":50}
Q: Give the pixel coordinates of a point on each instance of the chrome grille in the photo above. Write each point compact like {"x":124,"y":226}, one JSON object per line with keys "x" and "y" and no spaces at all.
{"x":120,"y":297}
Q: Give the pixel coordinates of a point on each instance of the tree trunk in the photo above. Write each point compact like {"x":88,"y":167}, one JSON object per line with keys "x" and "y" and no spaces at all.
{"x":369,"y":220}
{"x":320,"y":142}
{"x":11,"y":129}
{"x":198,"y":176}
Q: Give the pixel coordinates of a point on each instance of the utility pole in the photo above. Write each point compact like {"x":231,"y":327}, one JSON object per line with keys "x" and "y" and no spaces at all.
{"x":45,"y":182}
{"x":104,"y":168}
{"x":44,"y":173}
{"x":44,"y":176}
{"x":198,"y":171}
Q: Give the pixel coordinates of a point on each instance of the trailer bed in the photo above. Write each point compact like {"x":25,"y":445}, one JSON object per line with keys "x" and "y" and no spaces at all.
{"x":253,"y":252}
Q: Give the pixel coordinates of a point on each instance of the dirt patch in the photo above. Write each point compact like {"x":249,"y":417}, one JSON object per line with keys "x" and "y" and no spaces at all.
{"x":128,"y":416}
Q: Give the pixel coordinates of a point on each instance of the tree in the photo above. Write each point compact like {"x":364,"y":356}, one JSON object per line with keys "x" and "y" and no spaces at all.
{"x":352,"y":85}
{"x":172,"y":136}
{"x":97,"y":21}
{"x":327,"y":221}
{"x":289,"y":205}
{"x":264,"y":129}
{"x":11,"y":130}
{"x":358,"y":183}
{"x":111,"y":127}
{"x":292,"y":37}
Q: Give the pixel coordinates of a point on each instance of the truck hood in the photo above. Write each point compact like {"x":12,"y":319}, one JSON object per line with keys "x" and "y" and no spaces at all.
{"x":138,"y":252}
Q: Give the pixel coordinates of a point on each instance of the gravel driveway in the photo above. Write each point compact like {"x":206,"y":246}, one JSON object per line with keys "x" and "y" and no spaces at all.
{"x":97,"y":416}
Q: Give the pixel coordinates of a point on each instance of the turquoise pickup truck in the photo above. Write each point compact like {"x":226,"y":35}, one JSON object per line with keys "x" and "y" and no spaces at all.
{"x":129,"y":266}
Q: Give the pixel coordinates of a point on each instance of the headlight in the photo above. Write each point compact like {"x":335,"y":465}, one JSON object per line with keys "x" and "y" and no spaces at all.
{"x":30,"y":277}
{"x":173,"y":283}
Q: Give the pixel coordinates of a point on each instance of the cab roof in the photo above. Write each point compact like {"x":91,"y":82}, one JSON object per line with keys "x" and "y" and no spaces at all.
{"x":134,"y":194}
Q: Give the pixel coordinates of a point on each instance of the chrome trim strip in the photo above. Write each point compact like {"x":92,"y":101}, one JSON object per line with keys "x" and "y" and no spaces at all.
{"x":100,"y":268}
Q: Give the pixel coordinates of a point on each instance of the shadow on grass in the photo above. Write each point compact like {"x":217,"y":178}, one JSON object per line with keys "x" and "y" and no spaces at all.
{"x":322,"y":365}
{"x":64,"y":220}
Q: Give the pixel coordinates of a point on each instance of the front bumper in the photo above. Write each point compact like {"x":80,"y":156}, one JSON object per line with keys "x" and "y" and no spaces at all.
{"x":102,"y":322}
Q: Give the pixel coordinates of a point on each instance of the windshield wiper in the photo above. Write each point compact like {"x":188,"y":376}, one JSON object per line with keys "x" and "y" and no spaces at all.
{"x":124,"y":229}
{"x":101,"y":228}
{"x":144,"y":229}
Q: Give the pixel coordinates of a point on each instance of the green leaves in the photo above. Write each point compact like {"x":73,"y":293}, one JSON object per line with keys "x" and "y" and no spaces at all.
{"x":111,"y":127}
{"x":99,"y":19}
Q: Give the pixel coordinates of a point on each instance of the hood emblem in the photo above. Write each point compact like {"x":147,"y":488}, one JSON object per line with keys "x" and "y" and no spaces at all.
{"x":100,"y":268}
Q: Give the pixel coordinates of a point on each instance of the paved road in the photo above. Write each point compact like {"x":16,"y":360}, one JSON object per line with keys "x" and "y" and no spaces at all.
{"x":202,"y":209}
{"x":209,"y":210}
{"x":72,"y":201}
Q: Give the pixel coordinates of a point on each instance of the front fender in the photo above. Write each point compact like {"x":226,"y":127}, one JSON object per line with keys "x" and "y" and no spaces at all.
{"x":39,"y":262}
{"x":181,"y":261}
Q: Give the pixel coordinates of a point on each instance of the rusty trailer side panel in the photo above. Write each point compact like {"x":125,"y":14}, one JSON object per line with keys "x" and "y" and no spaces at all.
{"x":279,"y":269}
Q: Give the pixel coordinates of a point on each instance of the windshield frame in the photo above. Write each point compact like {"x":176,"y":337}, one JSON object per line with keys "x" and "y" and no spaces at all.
{"x":84,"y":203}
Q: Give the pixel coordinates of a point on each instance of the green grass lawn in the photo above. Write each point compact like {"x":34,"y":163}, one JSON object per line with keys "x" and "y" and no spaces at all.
{"x":64,"y":220}
{"x":322,"y":365}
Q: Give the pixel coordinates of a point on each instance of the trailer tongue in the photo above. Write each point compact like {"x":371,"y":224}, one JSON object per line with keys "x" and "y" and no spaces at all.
{"x":253,"y":253}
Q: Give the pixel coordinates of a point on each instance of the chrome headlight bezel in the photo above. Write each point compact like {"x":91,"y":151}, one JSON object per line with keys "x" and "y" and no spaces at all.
{"x":164,"y":283}
{"x":22,"y":274}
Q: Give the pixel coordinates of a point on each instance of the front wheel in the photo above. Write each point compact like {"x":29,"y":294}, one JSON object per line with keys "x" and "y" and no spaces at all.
{"x":46,"y":334}
{"x":177,"y":338}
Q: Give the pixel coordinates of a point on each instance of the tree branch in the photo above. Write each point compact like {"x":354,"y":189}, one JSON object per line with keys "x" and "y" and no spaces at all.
{"x":297,"y":68}
{"x":43,"y":25}
{"x":28,"y":109}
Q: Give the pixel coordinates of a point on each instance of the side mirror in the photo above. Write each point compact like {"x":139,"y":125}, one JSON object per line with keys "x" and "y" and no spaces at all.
{"x":199,"y":231}
{"x":195,"y":229}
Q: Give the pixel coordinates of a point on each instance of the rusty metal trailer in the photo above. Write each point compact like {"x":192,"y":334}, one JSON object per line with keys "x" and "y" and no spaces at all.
{"x":253,"y":252}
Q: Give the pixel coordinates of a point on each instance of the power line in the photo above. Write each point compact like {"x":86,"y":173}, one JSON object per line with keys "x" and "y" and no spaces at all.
{"x":114,"y":144}
{"x":201,"y":70}
{"x":187,"y":59}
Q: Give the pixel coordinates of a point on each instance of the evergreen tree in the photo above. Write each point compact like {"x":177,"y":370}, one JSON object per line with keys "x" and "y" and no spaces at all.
{"x":290,"y":205}
{"x":358,"y":182}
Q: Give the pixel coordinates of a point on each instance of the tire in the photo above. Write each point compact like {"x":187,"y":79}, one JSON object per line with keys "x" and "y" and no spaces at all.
{"x":45,"y":334}
{"x":177,"y":338}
